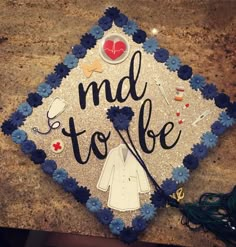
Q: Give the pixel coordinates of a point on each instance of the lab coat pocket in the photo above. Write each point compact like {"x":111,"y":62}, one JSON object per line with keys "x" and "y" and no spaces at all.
{"x":133,"y":184}
{"x":133,"y":179}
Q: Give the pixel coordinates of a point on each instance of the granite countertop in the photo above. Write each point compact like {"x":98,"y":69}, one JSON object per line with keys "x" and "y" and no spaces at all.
{"x":35,"y":35}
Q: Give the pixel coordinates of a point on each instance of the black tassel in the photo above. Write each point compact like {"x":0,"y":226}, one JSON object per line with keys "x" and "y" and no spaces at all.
{"x":213,"y":212}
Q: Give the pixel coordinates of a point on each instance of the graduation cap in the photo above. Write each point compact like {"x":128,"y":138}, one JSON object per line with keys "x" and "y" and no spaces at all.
{"x":134,"y":122}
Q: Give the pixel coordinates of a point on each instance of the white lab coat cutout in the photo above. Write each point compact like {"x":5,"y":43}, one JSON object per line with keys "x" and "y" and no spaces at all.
{"x":126,"y":179}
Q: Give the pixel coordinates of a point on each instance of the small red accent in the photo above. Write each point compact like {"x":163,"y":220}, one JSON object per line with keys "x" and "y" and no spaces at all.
{"x":181,"y":121}
{"x":180,"y":89}
{"x":57,"y":146}
{"x":177,"y":113}
{"x":186,"y":106}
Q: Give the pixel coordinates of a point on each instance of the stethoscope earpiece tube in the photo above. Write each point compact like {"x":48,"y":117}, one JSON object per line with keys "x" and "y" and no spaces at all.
{"x":54,"y":125}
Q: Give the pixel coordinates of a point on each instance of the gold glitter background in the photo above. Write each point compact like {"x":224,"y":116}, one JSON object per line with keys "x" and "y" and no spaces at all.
{"x":161,"y":161}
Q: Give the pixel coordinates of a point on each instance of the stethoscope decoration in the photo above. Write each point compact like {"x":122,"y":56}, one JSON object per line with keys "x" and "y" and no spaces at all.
{"x":56,"y":108}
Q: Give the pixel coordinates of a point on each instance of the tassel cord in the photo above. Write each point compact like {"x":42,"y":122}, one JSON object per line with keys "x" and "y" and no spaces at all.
{"x":171,"y":201}
{"x":141,"y":162}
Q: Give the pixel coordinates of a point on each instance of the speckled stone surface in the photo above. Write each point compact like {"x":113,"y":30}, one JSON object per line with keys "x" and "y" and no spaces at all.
{"x":35,"y":35}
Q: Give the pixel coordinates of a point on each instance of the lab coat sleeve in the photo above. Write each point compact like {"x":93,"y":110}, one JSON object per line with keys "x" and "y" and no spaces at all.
{"x":144,"y":186}
{"x":107,"y":171}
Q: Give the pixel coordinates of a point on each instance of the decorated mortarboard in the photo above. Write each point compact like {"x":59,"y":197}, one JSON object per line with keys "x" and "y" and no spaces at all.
{"x":120,"y":124}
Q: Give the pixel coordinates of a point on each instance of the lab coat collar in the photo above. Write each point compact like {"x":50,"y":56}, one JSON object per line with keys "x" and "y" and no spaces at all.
{"x":121,"y":147}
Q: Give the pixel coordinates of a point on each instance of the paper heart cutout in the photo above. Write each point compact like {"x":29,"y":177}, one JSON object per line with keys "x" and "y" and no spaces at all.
{"x":114,"y":49}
